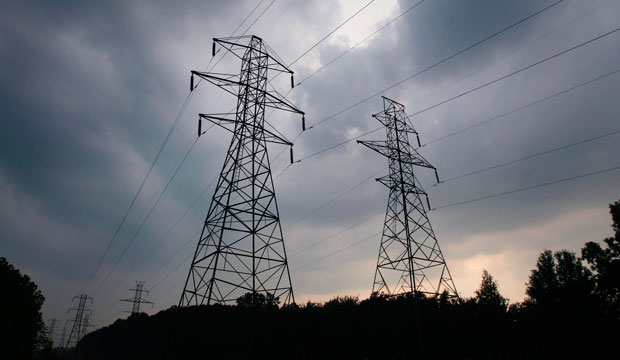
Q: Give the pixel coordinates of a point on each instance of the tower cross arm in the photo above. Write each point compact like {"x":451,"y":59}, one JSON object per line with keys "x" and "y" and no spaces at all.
{"x":415,"y":159}
{"x":228,"y":124}
{"x":230,"y":84}
{"x":379,"y":146}
{"x":233,"y":45}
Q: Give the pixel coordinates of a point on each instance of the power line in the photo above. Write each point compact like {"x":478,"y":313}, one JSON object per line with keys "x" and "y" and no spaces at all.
{"x":338,"y":233}
{"x":522,"y":107}
{"x":258,"y":17}
{"x":530,"y":157}
{"x":181,"y":111}
{"x":279,"y":16}
{"x":173,"y":270}
{"x":189,"y":241}
{"x":246,"y":18}
{"x":465,"y":202}
{"x":159,"y":152}
{"x":513,"y":52}
{"x":161,"y":240}
{"x":146,"y":218}
{"x":331,"y":32}
{"x":338,"y":144}
{"x":339,"y":250}
{"x":476,"y":124}
{"x":334,"y":199}
{"x":529,"y":187}
{"x":360,"y":42}
{"x":515,"y":72}
{"x":437,"y":63}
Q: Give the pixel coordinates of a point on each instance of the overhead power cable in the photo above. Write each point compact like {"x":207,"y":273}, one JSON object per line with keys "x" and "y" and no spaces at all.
{"x":171,"y":130}
{"x":515,"y":72}
{"x":360,"y":42}
{"x":530,"y":187}
{"x":474,"y":125}
{"x":133,"y":201}
{"x":279,"y":16}
{"x":514,"y":51}
{"x":437,"y":63}
{"x":334,"y":199}
{"x":161,"y":240}
{"x":522,"y":107}
{"x":337,"y":233}
{"x":258,"y":17}
{"x":159,"y":152}
{"x":529,"y":157}
{"x":118,"y":260}
{"x":338,"y":251}
{"x":331,"y":32}
{"x":339,"y":144}
{"x":189,"y":241}
{"x":464,"y":202}
{"x":247,"y":17}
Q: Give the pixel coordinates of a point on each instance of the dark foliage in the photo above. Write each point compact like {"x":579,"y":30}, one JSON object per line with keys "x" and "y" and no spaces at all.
{"x":256,"y":300}
{"x":21,"y":325}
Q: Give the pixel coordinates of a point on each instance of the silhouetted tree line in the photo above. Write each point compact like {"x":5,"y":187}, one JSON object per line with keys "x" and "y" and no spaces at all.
{"x":22,"y":331}
{"x":572,"y":310}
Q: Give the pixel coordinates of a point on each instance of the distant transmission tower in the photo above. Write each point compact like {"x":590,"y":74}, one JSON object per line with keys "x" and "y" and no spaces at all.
{"x":80,"y":321}
{"x":51,"y":329}
{"x":63,"y":335}
{"x":137,"y":298}
{"x":410,"y":260}
{"x":241,"y":248}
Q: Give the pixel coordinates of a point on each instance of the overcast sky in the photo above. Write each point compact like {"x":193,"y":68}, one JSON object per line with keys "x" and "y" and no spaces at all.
{"x":89,"y":90}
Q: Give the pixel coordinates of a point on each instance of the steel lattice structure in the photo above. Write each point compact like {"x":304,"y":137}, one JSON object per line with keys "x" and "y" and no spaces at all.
{"x":137,"y":298}
{"x":241,"y":248}
{"x":410,"y":260}
{"x":51,"y":329}
{"x":80,"y":321}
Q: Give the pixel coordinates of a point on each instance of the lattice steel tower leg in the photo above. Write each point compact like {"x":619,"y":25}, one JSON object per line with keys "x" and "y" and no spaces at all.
{"x":241,"y":248}
{"x":80,"y":320}
{"x":137,"y":300}
{"x":410,"y":260}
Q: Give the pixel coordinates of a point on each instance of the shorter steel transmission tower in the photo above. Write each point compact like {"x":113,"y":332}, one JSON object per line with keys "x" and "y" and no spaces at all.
{"x":410,"y":260}
{"x":137,"y":298}
{"x":80,"y":321}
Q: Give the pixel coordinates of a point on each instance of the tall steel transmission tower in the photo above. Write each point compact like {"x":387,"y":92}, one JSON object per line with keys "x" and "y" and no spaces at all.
{"x":80,"y":321}
{"x":137,"y":298}
{"x":241,"y":248}
{"x":410,"y":260}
